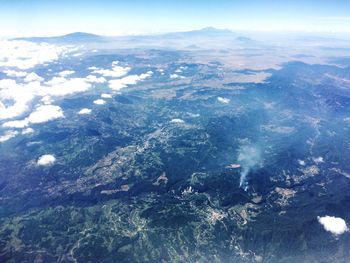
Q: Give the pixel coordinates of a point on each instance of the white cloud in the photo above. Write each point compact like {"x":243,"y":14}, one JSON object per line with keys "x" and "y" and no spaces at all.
{"x":301,"y":162}
{"x":117,"y":84}
{"x":46,"y":100}
{"x":224,"y":100}
{"x":106,"y":96}
{"x":55,"y":81}
{"x":33,"y":77}
{"x":318,"y":159}
{"x":45,"y":113}
{"x":27,"y":131}
{"x":16,"y":98}
{"x":176,"y":76}
{"x":7,"y":136}
{"x":14,"y":73}
{"x":46,"y":160}
{"x":41,"y":114}
{"x":115,"y":72}
{"x":99,"y":102}
{"x":84,"y":111}
{"x":60,"y":86}
{"x":16,"y":124}
{"x":94,"y":79}
{"x":66,"y":73}
{"x":335,"y":225}
{"x":21,"y":97}
{"x":25,"y":55}
{"x":177,"y":121}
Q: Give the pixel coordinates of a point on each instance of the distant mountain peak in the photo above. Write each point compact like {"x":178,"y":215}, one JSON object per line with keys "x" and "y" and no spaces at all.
{"x":76,"y":37}
{"x":214,"y":30}
{"x":80,"y":34}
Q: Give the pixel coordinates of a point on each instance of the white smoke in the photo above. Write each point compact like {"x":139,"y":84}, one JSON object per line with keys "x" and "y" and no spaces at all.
{"x":249,"y":158}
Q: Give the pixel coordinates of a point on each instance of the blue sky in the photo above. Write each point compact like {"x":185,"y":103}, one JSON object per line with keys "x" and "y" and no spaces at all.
{"x":39,"y":17}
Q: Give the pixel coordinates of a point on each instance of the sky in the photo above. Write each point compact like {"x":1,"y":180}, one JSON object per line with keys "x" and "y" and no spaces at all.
{"x":107,"y":17}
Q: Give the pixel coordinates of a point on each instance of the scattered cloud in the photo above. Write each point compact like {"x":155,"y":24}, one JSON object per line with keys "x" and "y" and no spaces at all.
{"x":27,"y":131}
{"x":115,"y":72}
{"x":14,"y":73}
{"x":41,"y":114}
{"x":66,"y":73}
{"x":16,"y":96}
{"x":335,"y":225}
{"x":318,"y":159}
{"x":177,"y":121}
{"x":60,"y":86}
{"x":25,"y":55}
{"x":8,"y":135}
{"x":117,"y":84}
{"x":19,"y":95}
{"x":46,"y":160}
{"x":223,"y":100}
{"x":106,"y":96}
{"x":84,"y":111}
{"x":45,"y":113}
{"x":301,"y":162}
{"x":176,"y":76}
{"x":99,"y":102}
{"x":94,"y":79}
{"x":33,"y":77}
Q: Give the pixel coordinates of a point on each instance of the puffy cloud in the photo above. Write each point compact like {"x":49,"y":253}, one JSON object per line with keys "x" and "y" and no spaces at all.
{"x":14,"y":73}
{"x":115,"y":72}
{"x":45,"y":113}
{"x":318,"y":159}
{"x":27,"y":131}
{"x":16,"y":124}
{"x":60,"y":86}
{"x":46,"y":100}
{"x":94,"y":79}
{"x":176,"y":76}
{"x":117,"y":84}
{"x":18,"y":94}
{"x":223,"y":100}
{"x":106,"y":96}
{"x":177,"y":121}
{"x":84,"y":111}
{"x":66,"y":73}
{"x":25,"y":55}
{"x":335,"y":225}
{"x":8,"y":135}
{"x":21,"y":95}
{"x":301,"y":162}
{"x":46,"y":160}
{"x":41,"y":114}
{"x":33,"y":77}
{"x":99,"y":102}
{"x":16,"y":98}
